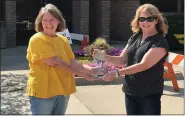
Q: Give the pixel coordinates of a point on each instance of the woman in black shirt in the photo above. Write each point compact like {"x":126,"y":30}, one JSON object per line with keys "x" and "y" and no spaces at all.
{"x":143,"y":56}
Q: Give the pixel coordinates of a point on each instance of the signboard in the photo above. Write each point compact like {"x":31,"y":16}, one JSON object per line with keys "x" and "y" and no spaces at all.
{"x":66,"y":34}
{"x":180,"y":38}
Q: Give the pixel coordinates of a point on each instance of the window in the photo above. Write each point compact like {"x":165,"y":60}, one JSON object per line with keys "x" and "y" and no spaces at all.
{"x":28,"y":12}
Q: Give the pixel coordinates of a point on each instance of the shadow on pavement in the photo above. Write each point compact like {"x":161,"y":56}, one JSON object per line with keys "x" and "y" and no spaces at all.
{"x":174,"y":93}
{"x":14,"y":66}
{"x":82,"y":82}
{"x":14,"y":59}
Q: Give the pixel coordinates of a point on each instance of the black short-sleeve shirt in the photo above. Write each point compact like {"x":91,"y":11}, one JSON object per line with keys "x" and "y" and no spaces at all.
{"x":151,"y":80}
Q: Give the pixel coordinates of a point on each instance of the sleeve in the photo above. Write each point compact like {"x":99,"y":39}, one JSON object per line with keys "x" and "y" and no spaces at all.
{"x":161,"y":43}
{"x":68,"y":47}
{"x":40,"y":49}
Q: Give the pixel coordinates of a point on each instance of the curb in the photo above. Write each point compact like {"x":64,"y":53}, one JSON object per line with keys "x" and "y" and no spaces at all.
{"x":80,"y":81}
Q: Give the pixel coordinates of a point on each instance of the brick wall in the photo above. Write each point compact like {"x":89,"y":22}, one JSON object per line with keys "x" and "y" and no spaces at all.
{"x":10,"y":19}
{"x":105,"y":18}
{"x":3,"y":34}
{"x":80,"y":16}
{"x":99,"y":19}
{"x":96,"y":18}
{"x":76,"y":16}
{"x":122,"y":12}
{"x":84,"y":22}
{"x":111,"y":18}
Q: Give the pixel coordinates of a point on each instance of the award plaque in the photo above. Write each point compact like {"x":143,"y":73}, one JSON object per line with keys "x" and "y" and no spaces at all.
{"x":100,"y":55}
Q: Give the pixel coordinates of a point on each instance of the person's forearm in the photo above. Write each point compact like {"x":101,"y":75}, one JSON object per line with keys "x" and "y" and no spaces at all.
{"x":64,"y":66}
{"x":114,"y":59}
{"x":86,"y":67}
{"x":133,"y":69}
{"x":79,"y":66}
{"x":57,"y":62}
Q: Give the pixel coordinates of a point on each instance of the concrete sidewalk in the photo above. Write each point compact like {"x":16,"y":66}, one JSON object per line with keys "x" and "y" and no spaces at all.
{"x":96,"y":97}
{"x":109,"y":99}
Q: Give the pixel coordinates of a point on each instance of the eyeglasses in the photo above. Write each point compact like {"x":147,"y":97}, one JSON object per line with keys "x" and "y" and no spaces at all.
{"x":148,"y":19}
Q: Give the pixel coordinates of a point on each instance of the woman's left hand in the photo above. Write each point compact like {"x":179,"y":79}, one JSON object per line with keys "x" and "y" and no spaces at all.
{"x":88,"y":76}
{"x":111,"y":75}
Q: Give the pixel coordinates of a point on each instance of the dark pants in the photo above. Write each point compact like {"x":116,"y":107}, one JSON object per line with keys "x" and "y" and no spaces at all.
{"x":149,"y":105}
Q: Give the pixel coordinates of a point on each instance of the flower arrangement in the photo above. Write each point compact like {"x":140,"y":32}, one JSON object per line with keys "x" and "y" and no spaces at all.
{"x":79,"y":53}
{"x":105,"y":67}
{"x":112,"y":52}
{"x":100,"y":43}
{"x":115,"y":51}
{"x":109,"y":66}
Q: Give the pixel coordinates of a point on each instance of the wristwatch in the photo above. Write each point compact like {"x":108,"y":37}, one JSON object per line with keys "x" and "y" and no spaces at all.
{"x":117,"y":74}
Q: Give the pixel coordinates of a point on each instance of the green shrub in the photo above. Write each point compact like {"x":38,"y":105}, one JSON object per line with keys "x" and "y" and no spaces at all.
{"x":84,"y":59}
{"x":100,"y":43}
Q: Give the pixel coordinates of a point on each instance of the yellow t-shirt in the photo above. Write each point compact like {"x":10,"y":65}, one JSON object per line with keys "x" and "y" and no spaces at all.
{"x":46,"y":81}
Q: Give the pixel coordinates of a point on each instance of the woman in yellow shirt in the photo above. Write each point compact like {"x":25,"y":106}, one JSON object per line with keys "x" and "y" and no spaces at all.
{"x":52,"y":64}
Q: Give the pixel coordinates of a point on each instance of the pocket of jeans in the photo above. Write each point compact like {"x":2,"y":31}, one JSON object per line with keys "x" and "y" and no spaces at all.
{"x":32,"y":99}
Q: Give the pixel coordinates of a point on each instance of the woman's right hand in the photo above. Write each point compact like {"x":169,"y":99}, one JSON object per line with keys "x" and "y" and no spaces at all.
{"x":99,"y":54}
{"x":88,"y":76}
{"x":99,"y":69}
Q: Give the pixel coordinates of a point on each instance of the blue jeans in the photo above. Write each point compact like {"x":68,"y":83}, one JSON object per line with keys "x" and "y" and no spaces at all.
{"x":149,"y":105}
{"x":50,"y":106}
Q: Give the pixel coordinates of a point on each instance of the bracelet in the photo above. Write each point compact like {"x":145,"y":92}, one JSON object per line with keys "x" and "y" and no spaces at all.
{"x":117,"y":74}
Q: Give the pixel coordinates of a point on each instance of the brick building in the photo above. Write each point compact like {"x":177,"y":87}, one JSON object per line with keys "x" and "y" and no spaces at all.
{"x":8,"y":23}
{"x":106,"y":18}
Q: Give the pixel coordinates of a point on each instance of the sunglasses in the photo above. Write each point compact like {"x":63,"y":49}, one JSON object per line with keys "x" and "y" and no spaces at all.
{"x":148,"y":19}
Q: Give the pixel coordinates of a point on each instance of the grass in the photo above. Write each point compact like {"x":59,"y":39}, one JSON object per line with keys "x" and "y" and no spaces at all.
{"x":84,"y":59}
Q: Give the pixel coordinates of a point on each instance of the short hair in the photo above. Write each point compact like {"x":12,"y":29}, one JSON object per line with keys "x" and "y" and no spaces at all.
{"x":55,"y":12}
{"x":161,"y":26}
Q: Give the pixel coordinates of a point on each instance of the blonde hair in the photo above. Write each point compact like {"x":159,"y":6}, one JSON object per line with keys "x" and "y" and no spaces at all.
{"x":152,"y":11}
{"x":55,"y":12}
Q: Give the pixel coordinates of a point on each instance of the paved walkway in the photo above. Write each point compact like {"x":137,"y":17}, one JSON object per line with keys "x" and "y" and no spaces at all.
{"x":96,"y":97}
